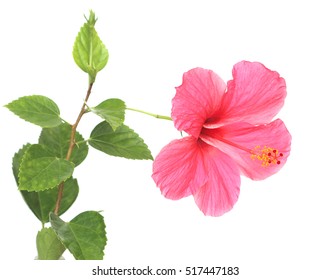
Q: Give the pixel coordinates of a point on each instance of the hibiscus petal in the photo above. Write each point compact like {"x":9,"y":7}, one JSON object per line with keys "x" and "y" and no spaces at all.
{"x":197,"y":99}
{"x":252,"y":147}
{"x":255,"y":95}
{"x":218,"y":195}
{"x":178,"y":169}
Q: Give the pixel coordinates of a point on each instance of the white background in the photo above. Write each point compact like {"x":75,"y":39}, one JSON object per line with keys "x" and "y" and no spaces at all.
{"x":280,"y":227}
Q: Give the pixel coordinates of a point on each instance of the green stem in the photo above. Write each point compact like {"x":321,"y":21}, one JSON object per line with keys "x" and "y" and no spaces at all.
{"x":150,"y":114}
{"x":80,"y":142}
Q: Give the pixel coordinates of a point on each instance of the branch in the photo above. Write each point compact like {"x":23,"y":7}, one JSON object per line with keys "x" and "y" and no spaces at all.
{"x":71,"y":147}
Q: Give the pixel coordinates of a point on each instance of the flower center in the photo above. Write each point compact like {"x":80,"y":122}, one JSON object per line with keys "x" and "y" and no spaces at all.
{"x":267,"y":155}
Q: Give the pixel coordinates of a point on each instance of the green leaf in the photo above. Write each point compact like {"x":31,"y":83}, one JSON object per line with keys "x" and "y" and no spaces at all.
{"x":123,"y":142}
{"x":37,"y":109}
{"x":56,"y":140}
{"x":48,"y":245}
{"x":111,"y":110}
{"x":40,"y":170}
{"x":43,"y":202}
{"x":84,"y":236}
{"x":70,"y":193}
{"x":17,"y":160}
{"x":89,"y":53}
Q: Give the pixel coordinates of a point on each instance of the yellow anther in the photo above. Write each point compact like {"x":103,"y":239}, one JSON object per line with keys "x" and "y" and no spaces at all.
{"x":267,"y":155}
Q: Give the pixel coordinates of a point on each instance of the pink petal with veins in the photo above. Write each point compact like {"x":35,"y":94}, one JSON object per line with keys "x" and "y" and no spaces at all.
{"x":178,"y":169}
{"x":249,"y":146}
{"x":255,"y":95}
{"x":218,"y":195}
{"x":197,"y":99}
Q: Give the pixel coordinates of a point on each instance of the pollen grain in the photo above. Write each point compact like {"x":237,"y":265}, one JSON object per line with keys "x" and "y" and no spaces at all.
{"x":267,"y":155}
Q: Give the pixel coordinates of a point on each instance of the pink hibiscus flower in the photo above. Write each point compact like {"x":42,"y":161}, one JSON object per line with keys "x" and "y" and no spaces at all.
{"x":230,"y":132}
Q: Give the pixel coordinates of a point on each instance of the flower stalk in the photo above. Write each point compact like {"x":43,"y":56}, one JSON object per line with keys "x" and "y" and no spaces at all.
{"x":151,"y":114}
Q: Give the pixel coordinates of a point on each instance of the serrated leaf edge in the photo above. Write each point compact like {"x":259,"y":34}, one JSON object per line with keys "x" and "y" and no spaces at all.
{"x":67,"y":223}
{"x":24,"y":156}
{"x":95,"y":109}
{"x":131,"y":130}
{"x":57,"y":113}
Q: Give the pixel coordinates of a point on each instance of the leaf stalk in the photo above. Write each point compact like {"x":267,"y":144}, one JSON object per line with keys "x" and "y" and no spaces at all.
{"x":151,"y":114}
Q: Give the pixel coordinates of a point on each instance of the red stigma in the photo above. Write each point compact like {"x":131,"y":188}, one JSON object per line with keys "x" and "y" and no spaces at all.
{"x":267,"y":155}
